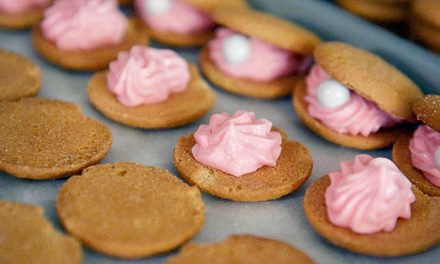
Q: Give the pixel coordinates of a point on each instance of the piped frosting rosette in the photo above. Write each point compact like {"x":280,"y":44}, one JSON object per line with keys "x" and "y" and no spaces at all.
{"x":425,"y":153}
{"x":84,"y":24}
{"x":21,"y":6}
{"x":147,"y":76}
{"x":340,"y":109}
{"x":368,"y":195}
{"x":237,"y":144}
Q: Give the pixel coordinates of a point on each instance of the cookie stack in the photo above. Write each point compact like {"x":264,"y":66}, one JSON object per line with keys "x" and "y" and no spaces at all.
{"x":425,"y":23}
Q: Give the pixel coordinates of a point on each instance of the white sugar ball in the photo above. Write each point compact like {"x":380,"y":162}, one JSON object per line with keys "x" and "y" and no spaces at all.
{"x":237,"y":49}
{"x":332,"y":94}
{"x":157,"y":7}
{"x":437,"y":158}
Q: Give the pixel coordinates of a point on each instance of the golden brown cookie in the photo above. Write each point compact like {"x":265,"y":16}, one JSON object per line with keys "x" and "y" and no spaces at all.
{"x":292,"y":170}
{"x":410,"y":236}
{"x":427,"y":111}
{"x":128,"y":210}
{"x":428,"y":10}
{"x":82,"y":60}
{"x":425,"y":33}
{"x":28,"y":237}
{"x":179,"y":109}
{"x":19,"y":76}
{"x":265,"y":90}
{"x":369,"y":76}
{"x":47,"y":139}
{"x":378,"y":11}
{"x":380,"y":139}
{"x":240,"y":249}
{"x":212,"y":5}
{"x":279,"y":32}
{"x":21,"y":21}
{"x":402,"y":158}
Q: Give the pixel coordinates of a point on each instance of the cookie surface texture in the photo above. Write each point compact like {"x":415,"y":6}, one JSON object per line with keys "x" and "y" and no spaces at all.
{"x":19,"y":76}
{"x":428,"y":111}
{"x":241,"y":249}
{"x":47,"y":139}
{"x":28,"y":237}
{"x":128,"y":210}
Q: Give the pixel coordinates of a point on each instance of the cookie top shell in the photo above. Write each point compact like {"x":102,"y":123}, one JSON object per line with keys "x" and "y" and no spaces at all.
{"x":427,"y":111}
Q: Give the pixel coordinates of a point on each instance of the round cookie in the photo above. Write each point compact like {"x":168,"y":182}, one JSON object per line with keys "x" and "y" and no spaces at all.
{"x":19,"y":76}
{"x":47,"y":139}
{"x":427,"y":111}
{"x":128,"y":210}
{"x":402,"y":158}
{"x":179,"y":109}
{"x":21,"y":21}
{"x":89,"y":60}
{"x":241,"y":249}
{"x":410,"y":236}
{"x":179,"y":40}
{"x":28,"y":237}
{"x":371,"y":77}
{"x":293,"y":168}
{"x":380,"y":139}
{"x":378,"y":11}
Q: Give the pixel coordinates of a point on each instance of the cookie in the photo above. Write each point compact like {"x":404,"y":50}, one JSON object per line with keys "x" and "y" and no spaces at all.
{"x":279,"y":32}
{"x":378,"y":11}
{"x":48,"y":139}
{"x":179,"y":109}
{"x":128,"y":210}
{"x":428,"y":11}
{"x":264,"y":90}
{"x":81,"y":60}
{"x":411,"y":236}
{"x":380,"y":139}
{"x":241,"y":249}
{"x":425,"y":33}
{"x":402,"y":158}
{"x":212,"y":5}
{"x":382,"y":83}
{"x":19,"y":76}
{"x":427,"y":111}
{"x":21,"y":21}
{"x":28,"y":237}
{"x":293,"y":168}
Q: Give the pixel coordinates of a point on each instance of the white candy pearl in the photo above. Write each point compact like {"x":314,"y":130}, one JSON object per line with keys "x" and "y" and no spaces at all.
{"x":332,"y":94}
{"x":437,"y":158}
{"x":236,"y":49}
{"x":157,"y":7}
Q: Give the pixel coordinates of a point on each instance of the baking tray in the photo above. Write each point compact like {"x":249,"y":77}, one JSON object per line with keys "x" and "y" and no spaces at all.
{"x":282,"y":219}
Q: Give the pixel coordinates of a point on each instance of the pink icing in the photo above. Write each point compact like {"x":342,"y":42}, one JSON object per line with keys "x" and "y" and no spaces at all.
{"x":266,"y":63}
{"x":368,"y":195}
{"x":237,"y":144}
{"x":147,"y":76}
{"x":180,"y":18}
{"x":21,"y":6}
{"x":357,"y":116}
{"x":84,"y":24}
{"x":423,"y":146}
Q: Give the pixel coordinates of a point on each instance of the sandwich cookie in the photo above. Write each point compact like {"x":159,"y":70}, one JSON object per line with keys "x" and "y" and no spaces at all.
{"x":241,"y":249}
{"x":19,"y":76}
{"x":20,"y":14}
{"x":425,"y":23}
{"x":48,"y":139}
{"x":418,"y":155}
{"x":181,"y":23}
{"x":370,"y":207}
{"x":354,"y":98}
{"x":257,"y":55}
{"x":150,"y":88}
{"x":241,"y":158}
{"x":127,"y":210}
{"x":85,"y":34}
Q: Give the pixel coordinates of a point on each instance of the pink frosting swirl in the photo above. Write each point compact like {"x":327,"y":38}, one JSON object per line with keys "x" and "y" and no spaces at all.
{"x":21,"y":6}
{"x":147,"y":76}
{"x":357,"y":116}
{"x":237,"y":144}
{"x":84,"y":24}
{"x":423,"y":147}
{"x":266,"y":62}
{"x":368,"y":195}
{"x":180,"y":17}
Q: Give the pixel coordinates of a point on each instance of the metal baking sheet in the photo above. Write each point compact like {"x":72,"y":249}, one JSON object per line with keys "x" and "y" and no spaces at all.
{"x":282,"y":219}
